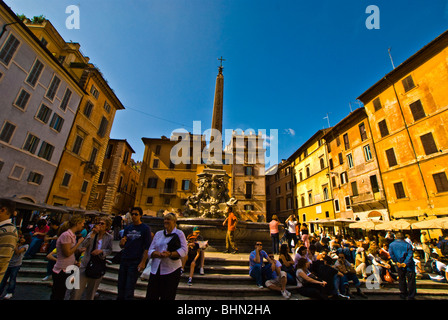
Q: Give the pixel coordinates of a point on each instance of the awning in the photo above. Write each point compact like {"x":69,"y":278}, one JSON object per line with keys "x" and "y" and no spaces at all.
{"x":438,"y":223}
{"x":49,"y":207}
{"x":332,"y":222}
{"x":401,"y":224}
{"x":25,"y":204}
{"x":366,"y":224}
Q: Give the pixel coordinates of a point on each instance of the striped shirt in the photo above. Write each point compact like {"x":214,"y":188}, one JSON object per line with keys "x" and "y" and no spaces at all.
{"x":8,"y":242}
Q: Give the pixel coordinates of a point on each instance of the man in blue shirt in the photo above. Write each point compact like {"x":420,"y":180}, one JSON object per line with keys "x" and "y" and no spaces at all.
{"x":258,"y":270}
{"x":402,"y":254}
{"x":135,"y":243}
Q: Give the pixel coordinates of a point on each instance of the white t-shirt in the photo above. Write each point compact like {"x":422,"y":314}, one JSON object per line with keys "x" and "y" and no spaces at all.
{"x":292,"y":226}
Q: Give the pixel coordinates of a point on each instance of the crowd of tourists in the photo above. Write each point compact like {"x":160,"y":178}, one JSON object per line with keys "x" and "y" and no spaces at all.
{"x":322,"y":266}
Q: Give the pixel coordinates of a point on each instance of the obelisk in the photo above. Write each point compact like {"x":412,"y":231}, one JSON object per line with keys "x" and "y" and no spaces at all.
{"x":219,"y":98}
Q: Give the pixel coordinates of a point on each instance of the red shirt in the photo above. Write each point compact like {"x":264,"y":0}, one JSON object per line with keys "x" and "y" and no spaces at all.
{"x":44,"y":229}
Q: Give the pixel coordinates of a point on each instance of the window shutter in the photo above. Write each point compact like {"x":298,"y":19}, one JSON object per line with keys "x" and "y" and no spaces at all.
{"x":417,"y":110}
{"x":391,"y":159}
{"x":384,"y":131}
{"x":428,"y":143}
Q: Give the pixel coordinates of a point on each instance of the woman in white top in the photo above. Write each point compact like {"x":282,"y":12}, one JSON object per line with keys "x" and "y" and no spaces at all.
{"x":309,"y":285}
{"x":166,"y":250}
{"x":291,"y":224}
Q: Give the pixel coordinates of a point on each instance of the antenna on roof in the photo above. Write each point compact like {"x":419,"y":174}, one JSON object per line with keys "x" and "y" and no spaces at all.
{"x":391,"y":60}
{"x":328,"y":119}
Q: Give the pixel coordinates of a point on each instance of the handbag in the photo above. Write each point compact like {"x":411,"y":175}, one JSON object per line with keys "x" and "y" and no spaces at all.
{"x":96,"y":268}
{"x":174,"y":243}
{"x":388,"y":277}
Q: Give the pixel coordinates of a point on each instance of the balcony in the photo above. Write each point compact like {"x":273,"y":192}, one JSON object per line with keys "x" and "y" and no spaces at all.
{"x":167,"y":191}
{"x":368,"y":200}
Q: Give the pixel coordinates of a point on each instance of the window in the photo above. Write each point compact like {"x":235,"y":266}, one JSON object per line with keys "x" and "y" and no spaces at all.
{"x":328,"y":147}
{"x":350,"y":160}
{"x":31,"y":143}
{"x":16,"y":172}
{"x":46,"y":151}
{"x":44,"y":113}
{"x":310,"y":197}
{"x":107,"y":107}
{"x":109,"y":149}
{"x":331,"y":164}
{"x":441,"y":181}
{"x":126,"y":156}
{"x":333,"y":181}
{"x":391,"y":159}
{"x":7,"y":131}
{"x":341,"y":159}
{"x":77,"y":145}
{"x":65,"y":99}
{"x":344,"y":177}
{"x":288,"y":203}
{"x":288,"y":186}
{"x":35,"y":73}
{"x":149,"y":200}
{"x":325,"y":192}
{"x":44,"y":41}
{"x":374,"y":184}
{"x":57,"y":122}
{"x":66,"y":179}
{"x":300,"y":175}
{"x":186,"y":184}
{"x":158,"y":148}
{"x":367,"y":153}
{"x":278,"y":190}
{"x":248,"y":171}
{"x":354,"y":188}
{"x":384,"y":131}
{"x":322,"y":163}
{"x":9,"y":49}
{"x":155,"y":163}
{"x":308,"y":173}
{"x":88,"y":109}
{"x":417,"y":110}
{"x":248,"y":194}
{"x":101,"y":177}
{"x":338,"y":141}
{"x":428,"y":143}
{"x":85,"y":185}
{"x":348,"y":203}
{"x":54,"y":85}
{"x":22,"y":99}
{"x":152,"y":183}
{"x":167,"y":201}
{"x":94,"y":91}
{"x":93,"y":154}
{"x":408,"y":83}
{"x":362,"y":131}
{"x":336,"y":205}
{"x":103,"y":127}
{"x":399,"y":190}
{"x":302,"y":200}
{"x":346,"y":141}
{"x":35,"y":177}
{"x":377,"y":104}
{"x":248,"y":207}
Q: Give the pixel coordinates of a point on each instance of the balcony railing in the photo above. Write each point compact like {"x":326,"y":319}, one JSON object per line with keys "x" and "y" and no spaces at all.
{"x":367,"y":197}
{"x":167,"y":190}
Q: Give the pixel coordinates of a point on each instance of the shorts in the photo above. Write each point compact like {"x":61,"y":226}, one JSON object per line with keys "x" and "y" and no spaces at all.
{"x":276,"y":282}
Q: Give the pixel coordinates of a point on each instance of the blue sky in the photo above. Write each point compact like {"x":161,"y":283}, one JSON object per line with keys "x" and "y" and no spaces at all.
{"x":288,"y":62}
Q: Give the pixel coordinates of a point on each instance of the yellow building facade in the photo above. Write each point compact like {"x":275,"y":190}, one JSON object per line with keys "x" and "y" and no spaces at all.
{"x":74,"y":184}
{"x":354,"y":174}
{"x":312,"y":188}
{"x":408,"y":111}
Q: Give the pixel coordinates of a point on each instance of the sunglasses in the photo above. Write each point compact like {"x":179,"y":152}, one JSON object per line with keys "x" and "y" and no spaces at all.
{"x":258,"y":244}
{"x":102,"y":223}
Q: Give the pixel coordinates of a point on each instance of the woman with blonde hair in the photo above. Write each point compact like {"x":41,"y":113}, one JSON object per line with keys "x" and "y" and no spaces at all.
{"x":98,"y":245}
{"x":66,"y":246}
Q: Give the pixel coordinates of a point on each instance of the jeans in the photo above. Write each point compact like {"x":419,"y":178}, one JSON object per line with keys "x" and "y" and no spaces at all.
{"x":261,"y":273}
{"x":406,"y":283}
{"x":275,"y":242}
{"x":11,"y":273}
{"x":34,"y":248}
{"x":127,"y":279}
